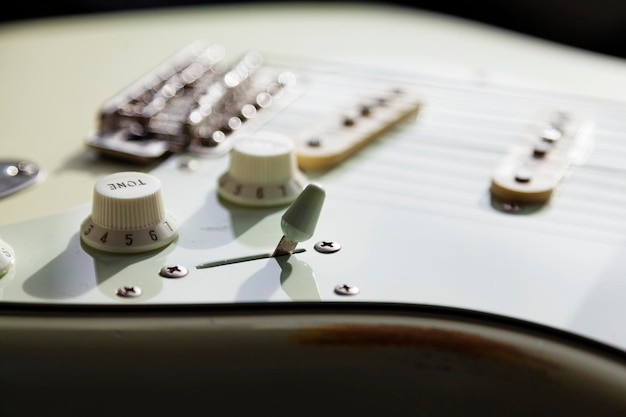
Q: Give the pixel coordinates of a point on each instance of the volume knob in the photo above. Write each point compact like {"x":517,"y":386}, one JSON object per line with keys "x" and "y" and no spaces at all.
{"x":262,"y":172}
{"x":128,"y":215}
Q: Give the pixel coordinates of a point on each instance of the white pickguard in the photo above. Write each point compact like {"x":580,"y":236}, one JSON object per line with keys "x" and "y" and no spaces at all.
{"x":411,"y":211}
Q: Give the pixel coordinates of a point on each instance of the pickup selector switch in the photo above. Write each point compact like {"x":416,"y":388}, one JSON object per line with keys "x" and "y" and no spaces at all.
{"x":128,"y":215}
{"x":262,"y":172}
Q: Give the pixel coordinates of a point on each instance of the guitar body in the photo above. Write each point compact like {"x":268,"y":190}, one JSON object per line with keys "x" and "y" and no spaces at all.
{"x":455,"y":264}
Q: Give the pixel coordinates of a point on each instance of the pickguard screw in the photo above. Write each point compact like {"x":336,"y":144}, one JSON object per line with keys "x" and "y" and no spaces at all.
{"x":129,"y":291}
{"x":189,"y":164}
{"x":173,"y":271}
{"x":327,"y":246}
{"x":345,"y":289}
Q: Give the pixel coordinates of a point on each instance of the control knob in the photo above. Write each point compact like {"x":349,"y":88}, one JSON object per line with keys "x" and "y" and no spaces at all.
{"x":128,"y":215}
{"x":262,"y":172}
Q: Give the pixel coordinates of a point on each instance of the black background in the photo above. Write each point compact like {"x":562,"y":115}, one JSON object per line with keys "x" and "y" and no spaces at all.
{"x":594,"y":25}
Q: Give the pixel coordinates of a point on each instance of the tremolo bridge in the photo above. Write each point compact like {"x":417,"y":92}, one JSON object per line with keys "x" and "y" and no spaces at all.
{"x":194,"y":102}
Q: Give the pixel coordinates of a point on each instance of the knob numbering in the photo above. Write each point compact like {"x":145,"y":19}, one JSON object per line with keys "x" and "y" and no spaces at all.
{"x":128,"y":215}
{"x":262,"y":172}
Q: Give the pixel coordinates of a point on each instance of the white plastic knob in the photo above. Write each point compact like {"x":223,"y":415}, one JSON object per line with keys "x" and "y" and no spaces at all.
{"x":263,"y":171}
{"x":128,"y":215}
{"x":7,"y":257}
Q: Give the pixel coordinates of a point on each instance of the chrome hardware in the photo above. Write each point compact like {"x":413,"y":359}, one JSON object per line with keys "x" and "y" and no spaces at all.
{"x":195,"y":102}
{"x":345,"y":289}
{"x":16,"y":175}
{"x":129,"y":291}
{"x":327,"y":246}
{"x":173,"y":271}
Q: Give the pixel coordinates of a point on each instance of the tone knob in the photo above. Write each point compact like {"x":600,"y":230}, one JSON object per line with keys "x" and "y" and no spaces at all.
{"x":128,"y":215}
{"x":263,"y":172}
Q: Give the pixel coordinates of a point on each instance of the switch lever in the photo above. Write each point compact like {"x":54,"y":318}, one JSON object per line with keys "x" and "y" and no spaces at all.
{"x":299,"y":221}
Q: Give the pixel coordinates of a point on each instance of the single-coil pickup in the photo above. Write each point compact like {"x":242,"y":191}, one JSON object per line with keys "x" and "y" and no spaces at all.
{"x":544,"y":156}
{"x":338,"y":137}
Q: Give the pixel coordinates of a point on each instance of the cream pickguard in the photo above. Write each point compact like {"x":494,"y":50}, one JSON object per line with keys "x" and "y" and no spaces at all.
{"x":410,"y":207}
{"x":458,"y":197}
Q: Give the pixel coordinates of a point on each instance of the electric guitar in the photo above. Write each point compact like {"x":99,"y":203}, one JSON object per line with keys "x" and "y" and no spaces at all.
{"x":238,"y":228}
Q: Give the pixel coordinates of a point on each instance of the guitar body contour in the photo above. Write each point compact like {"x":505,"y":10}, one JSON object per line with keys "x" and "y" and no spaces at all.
{"x":464,"y":247}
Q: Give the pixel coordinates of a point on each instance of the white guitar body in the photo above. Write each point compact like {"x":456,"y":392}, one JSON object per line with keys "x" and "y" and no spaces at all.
{"x":418,"y":285}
